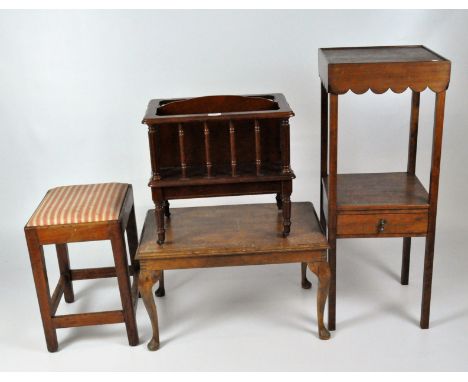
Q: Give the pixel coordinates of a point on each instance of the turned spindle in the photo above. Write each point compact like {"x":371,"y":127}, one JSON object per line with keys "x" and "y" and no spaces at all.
{"x":207,"y":149}
{"x":285,"y":166}
{"x":232,"y":139}
{"x":258,"y":157}
{"x":183,"y":163}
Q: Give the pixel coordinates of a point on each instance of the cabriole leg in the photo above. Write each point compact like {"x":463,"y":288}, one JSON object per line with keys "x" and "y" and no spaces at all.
{"x":304,"y":282}
{"x":161,"y":291}
{"x":146,"y":281}
{"x":322,"y":270}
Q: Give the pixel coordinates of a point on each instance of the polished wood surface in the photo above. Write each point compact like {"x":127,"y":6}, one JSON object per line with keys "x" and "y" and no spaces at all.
{"x":231,"y":230}
{"x":378,"y":191}
{"x":382,"y":204}
{"x":217,"y":108}
{"x":382,"y":224}
{"x":381,"y":68}
{"x":218,"y":236}
{"x":61,"y":235}
{"x":219,"y":146}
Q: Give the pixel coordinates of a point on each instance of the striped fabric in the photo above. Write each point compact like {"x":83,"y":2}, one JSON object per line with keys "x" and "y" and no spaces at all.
{"x":80,"y":204}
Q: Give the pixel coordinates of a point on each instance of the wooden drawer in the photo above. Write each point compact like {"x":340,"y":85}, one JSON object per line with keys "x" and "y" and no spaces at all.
{"x":382,"y":224}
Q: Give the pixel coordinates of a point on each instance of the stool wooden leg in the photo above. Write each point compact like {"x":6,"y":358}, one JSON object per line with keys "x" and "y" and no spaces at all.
{"x":322,"y":270}
{"x":64,"y":266}
{"x":304,"y":282}
{"x":146,"y":280}
{"x":161,"y":291}
{"x":36,"y":255}
{"x":123,"y":277}
{"x":132,"y":237}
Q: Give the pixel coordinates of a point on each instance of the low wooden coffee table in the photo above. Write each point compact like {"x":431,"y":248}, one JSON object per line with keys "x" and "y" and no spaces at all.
{"x":220,"y":236}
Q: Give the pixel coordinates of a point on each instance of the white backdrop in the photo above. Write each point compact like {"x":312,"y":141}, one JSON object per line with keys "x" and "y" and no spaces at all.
{"x":74,"y":86}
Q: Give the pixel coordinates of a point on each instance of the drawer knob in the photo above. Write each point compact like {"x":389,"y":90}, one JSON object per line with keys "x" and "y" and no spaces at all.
{"x":381,"y":225}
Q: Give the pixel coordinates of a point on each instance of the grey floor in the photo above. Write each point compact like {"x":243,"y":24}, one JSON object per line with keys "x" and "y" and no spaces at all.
{"x":255,"y":318}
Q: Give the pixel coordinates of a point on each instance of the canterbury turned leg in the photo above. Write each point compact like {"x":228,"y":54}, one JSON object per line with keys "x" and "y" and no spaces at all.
{"x":322,"y":270}
{"x":146,"y":281}
{"x":279,"y":202}
{"x":286,"y":206}
{"x":167,"y":212}
{"x":411,"y":169}
{"x":331,"y":231}
{"x":433,"y":194}
{"x":159,"y":211}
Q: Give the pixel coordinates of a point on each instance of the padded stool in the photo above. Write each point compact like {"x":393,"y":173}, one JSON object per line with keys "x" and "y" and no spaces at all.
{"x":84,"y":213}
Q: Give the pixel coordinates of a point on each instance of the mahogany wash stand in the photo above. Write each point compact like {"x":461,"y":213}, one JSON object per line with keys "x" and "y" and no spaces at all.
{"x":219,"y":146}
{"x":383,"y":204}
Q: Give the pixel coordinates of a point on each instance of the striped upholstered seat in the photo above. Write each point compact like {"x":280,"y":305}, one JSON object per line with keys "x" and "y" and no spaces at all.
{"x":87,"y":203}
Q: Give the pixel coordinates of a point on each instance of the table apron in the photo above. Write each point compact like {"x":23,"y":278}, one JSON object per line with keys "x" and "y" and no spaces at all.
{"x":210,"y":261}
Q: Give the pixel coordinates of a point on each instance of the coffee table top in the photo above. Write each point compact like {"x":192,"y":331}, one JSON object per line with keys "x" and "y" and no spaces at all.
{"x":380,"y":68}
{"x":230,"y":230}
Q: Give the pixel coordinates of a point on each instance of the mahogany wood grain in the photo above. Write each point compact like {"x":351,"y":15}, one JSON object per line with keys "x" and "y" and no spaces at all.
{"x":209,"y":165}
{"x":243,"y":228}
{"x":381,"y":205}
{"x":203,"y":237}
{"x":305,"y":283}
{"x":411,"y":169}
{"x":433,"y":196}
{"x":146,"y":281}
{"x":95,"y":273}
{"x":57,"y":295}
{"x":381,"y":224}
{"x":65,"y":274}
{"x":183,"y":163}
{"x":323,"y":164}
{"x":332,"y":206}
{"x":232,"y":145}
{"x":381,"y":68}
{"x":87,"y":319}
{"x":245,"y":141}
{"x":217,"y":108}
{"x":258,"y":148}
{"x":378,"y":191}
{"x":60,"y":235}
